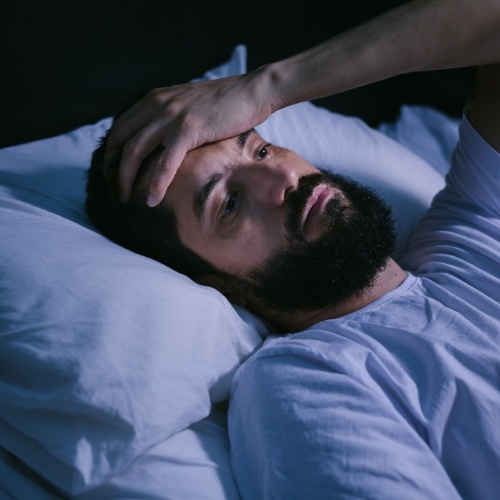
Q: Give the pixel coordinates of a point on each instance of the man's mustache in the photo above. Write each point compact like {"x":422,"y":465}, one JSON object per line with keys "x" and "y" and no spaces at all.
{"x":297,"y":201}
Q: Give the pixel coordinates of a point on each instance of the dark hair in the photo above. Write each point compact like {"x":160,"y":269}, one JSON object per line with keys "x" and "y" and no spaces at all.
{"x":151,"y":232}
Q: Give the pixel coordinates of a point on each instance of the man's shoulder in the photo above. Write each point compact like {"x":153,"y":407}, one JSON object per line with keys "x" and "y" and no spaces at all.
{"x":331,"y":343}
{"x":325,"y":348}
{"x":285,"y":356}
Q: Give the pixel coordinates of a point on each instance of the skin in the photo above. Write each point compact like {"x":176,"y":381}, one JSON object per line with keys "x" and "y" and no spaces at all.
{"x":243,"y":222}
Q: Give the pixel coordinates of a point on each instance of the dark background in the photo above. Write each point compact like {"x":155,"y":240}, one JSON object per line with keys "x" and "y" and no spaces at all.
{"x":69,"y":63}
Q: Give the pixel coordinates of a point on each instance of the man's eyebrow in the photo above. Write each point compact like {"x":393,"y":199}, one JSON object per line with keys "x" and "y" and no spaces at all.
{"x":243,"y":138}
{"x":202,"y":195}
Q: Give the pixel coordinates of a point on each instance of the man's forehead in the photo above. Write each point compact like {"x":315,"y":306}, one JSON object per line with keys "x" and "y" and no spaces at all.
{"x":202,"y":192}
{"x":209,"y":158}
{"x":198,"y":174}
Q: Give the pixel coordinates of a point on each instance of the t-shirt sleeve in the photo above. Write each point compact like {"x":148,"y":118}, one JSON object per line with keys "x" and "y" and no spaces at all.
{"x":300,"y":430}
{"x":475,"y":171}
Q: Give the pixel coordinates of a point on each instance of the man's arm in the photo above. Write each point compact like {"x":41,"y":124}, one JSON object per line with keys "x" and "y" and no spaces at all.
{"x":299,"y":429}
{"x":417,"y":36}
{"x":483,"y":105}
{"x":420,"y":35}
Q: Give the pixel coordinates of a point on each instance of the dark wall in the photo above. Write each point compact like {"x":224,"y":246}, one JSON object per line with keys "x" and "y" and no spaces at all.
{"x":68,"y":63}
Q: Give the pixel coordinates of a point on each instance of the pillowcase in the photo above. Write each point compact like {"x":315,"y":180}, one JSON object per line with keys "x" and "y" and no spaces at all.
{"x":427,"y":132}
{"x":105,"y":354}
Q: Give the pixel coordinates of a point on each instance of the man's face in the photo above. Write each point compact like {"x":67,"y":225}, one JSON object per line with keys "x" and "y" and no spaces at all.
{"x":289,"y":233}
{"x":230,"y":200}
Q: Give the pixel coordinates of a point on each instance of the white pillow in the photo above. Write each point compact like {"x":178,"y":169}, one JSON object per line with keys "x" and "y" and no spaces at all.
{"x":427,"y":132}
{"x":105,"y":354}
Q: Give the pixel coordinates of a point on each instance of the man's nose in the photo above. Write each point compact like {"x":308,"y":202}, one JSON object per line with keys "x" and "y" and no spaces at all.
{"x":277,"y":182}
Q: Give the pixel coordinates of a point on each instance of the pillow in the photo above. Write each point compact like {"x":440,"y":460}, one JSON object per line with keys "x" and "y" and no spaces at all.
{"x":105,"y":354}
{"x":427,"y":132}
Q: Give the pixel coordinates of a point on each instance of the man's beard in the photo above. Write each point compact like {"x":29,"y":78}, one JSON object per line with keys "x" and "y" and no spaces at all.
{"x":341,"y":264}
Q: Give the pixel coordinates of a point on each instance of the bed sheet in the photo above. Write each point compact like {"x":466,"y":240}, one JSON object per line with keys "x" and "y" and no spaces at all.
{"x":193,"y":464}
{"x":41,"y":194}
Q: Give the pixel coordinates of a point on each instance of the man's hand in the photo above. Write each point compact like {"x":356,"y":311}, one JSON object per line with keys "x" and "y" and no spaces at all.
{"x":181,"y":118}
{"x":416,"y":36}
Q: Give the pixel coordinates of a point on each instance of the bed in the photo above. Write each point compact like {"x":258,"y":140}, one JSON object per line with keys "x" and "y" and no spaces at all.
{"x":114,"y":369}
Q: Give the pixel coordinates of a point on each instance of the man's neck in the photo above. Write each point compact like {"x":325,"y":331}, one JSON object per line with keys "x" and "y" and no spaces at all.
{"x":387,"y":280}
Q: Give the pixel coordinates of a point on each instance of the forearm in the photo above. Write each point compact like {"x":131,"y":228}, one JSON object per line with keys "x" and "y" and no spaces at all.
{"x":420,"y":35}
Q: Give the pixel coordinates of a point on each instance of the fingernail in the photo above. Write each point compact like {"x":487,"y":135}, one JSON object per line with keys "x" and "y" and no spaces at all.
{"x":150,"y":200}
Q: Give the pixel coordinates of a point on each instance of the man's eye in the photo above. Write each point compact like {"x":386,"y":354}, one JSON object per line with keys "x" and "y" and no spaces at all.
{"x":231,"y":204}
{"x":263,"y":152}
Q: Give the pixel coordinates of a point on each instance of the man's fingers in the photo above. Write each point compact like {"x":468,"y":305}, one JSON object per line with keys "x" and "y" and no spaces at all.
{"x":134,"y":153}
{"x":167,"y":166}
{"x":168,"y":116}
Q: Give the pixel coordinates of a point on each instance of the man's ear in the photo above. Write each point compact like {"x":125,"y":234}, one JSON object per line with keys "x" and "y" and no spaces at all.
{"x":224,"y":286}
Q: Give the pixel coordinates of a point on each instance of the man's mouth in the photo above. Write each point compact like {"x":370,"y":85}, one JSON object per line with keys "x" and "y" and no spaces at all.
{"x":315,"y":206}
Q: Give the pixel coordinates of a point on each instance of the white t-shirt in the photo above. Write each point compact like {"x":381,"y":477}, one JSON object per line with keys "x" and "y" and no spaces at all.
{"x":402,"y":398}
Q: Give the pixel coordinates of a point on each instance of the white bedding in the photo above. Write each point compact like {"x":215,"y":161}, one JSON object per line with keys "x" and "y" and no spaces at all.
{"x":110,"y":362}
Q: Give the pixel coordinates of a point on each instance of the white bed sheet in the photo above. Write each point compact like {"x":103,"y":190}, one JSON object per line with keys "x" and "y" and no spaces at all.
{"x":192,"y":464}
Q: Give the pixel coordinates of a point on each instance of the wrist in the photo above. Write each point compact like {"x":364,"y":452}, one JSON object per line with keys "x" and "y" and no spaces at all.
{"x":303,"y":77}
{"x":270,"y":87}
{"x":284,"y":83}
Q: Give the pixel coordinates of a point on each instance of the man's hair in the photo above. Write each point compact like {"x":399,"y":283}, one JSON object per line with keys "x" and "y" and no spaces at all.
{"x":151,"y":232}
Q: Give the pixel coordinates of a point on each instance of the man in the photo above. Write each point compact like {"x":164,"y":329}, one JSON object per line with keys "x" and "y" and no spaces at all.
{"x":390,"y":388}
{"x":263,"y":226}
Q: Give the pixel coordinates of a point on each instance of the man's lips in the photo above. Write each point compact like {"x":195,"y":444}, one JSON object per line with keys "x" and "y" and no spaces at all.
{"x":316,"y":204}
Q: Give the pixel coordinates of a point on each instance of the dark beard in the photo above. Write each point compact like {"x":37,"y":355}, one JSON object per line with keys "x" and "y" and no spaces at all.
{"x":341,"y":264}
